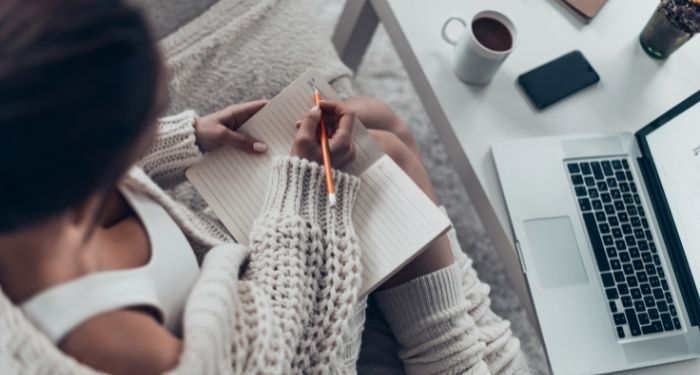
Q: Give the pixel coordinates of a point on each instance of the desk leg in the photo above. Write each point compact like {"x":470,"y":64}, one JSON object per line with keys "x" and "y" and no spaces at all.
{"x":354,"y":31}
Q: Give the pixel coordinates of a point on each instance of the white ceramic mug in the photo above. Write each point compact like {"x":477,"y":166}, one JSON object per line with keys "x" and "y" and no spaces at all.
{"x":472,"y":61}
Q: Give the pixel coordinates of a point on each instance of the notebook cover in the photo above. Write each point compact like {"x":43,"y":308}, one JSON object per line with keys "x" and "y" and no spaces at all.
{"x":586,"y":9}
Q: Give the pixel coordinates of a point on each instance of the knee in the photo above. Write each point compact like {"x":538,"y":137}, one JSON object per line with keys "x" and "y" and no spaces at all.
{"x":406,"y":159}
{"x":376,"y":114}
{"x":394,"y":123}
{"x":397,"y":150}
{"x":402,"y":131}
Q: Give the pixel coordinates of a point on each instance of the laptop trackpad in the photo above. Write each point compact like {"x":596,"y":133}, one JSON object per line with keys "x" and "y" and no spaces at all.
{"x":557,"y":259}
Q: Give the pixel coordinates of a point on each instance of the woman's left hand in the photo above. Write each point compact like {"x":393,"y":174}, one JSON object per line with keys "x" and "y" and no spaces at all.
{"x":219,"y":128}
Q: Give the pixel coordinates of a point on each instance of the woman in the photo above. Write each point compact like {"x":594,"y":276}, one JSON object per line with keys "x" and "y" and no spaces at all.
{"x":102,"y":261}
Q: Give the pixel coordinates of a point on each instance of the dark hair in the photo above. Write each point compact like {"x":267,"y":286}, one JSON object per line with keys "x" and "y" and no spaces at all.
{"x":79,"y":87}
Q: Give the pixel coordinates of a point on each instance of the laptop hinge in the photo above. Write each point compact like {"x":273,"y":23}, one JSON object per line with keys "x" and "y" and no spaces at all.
{"x":679,"y":262}
{"x":519,"y":253}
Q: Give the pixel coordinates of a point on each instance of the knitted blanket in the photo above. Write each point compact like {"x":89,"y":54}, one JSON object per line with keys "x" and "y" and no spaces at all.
{"x":242,"y":50}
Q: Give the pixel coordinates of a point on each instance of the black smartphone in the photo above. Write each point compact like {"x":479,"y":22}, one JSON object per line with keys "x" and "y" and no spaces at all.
{"x":557,"y":79}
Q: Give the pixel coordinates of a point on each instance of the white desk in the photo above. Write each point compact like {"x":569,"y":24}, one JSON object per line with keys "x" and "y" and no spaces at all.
{"x":634,"y":88}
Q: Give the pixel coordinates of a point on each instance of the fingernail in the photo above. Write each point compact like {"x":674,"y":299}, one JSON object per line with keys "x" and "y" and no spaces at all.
{"x":314,"y":109}
{"x":259,"y":147}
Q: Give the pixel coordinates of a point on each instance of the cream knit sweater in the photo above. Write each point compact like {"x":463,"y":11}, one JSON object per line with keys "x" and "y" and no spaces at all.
{"x":294,"y":309}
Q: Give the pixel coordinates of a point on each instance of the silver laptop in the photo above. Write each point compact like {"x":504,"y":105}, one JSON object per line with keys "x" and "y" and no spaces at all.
{"x":607,"y":228}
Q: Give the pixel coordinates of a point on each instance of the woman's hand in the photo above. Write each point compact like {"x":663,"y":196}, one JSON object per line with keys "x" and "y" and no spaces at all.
{"x":219,"y":128}
{"x":339,"y":120}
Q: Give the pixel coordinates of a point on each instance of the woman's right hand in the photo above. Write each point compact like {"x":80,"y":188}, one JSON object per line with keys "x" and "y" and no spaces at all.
{"x":339,"y":120}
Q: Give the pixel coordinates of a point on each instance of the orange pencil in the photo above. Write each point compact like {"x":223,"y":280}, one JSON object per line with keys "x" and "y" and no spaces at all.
{"x":326,"y":152}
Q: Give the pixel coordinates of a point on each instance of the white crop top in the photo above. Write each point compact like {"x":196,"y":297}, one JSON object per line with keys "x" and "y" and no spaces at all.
{"x":164,"y":283}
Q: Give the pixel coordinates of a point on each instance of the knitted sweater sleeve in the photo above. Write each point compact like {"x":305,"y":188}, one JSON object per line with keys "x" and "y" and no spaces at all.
{"x":290,"y":307}
{"x":174,"y":149}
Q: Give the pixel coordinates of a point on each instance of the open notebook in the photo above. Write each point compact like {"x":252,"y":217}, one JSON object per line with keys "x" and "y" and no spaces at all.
{"x":393,"y":218}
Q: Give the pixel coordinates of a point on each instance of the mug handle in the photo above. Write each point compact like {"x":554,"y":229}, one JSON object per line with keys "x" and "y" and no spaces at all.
{"x":447,"y":23}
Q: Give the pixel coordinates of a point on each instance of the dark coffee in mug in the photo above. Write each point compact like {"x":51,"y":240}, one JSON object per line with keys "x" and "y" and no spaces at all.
{"x":482,"y":46}
{"x":492,"y":34}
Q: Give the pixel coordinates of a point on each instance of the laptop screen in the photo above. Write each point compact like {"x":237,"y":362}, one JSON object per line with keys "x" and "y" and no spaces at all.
{"x":675,"y":149}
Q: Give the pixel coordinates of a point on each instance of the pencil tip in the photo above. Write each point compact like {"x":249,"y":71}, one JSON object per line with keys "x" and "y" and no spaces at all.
{"x":331,"y":199}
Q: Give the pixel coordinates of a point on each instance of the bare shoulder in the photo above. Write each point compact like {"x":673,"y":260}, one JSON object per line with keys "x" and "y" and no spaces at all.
{"x":123,"y":342}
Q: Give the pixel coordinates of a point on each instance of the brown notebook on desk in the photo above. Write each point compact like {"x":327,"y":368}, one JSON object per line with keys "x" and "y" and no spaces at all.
{"x":585,"y":9}
{"x":393,"y":218}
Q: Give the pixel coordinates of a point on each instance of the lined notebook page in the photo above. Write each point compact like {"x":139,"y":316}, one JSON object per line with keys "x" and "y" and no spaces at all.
{"x":394,"y":221}
{"x":393,"y":218}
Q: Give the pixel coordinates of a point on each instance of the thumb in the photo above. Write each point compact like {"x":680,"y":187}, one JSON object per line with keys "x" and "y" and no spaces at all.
{"x":237,"y":114}
{"x":241,"y":141}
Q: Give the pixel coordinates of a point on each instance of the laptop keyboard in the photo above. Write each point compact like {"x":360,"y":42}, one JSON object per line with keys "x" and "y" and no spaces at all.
{"x":635,"y":283}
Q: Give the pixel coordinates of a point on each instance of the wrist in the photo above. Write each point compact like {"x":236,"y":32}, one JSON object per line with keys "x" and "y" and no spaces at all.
{"x":199,"y":141}
{"x":174,"y":148}
{"x":298,"y":188}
